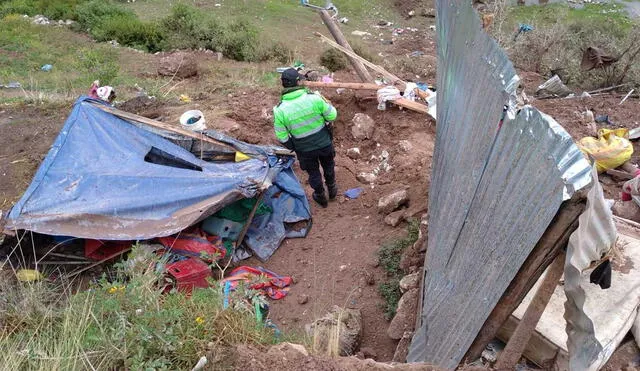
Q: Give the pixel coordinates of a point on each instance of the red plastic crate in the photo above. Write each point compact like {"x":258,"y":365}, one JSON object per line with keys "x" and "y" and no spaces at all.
{"x":189,"y":273}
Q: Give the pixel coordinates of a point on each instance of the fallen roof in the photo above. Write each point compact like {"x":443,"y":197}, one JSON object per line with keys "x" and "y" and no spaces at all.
{"x":105,"y":178}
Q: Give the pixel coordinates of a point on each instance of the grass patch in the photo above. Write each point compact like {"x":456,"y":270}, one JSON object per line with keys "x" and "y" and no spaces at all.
{"x":123,"y":323}
{"x":389,"y":256}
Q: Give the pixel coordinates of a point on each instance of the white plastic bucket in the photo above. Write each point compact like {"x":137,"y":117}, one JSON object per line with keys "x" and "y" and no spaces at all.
{"x":198,"y":125}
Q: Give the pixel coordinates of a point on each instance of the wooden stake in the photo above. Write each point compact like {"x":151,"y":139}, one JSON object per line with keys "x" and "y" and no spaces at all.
{"x":512,"y":353}
{"x":339,"y":37}
{"x":346,"y":85}
{"x":249,"y":220}
{"x":98,"y":263}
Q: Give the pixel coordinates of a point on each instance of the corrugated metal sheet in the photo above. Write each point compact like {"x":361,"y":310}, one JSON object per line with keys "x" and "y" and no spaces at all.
{"x":494,"y":190}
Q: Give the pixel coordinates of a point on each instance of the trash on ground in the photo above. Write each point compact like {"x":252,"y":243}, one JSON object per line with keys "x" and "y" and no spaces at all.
{"x":28,"y":275}
{"x":193,"y":120}
{"x":11,"y":85}
{"x":594,"y":57}
{"x":184,"y":98}
{"x":554,"y":87}
{"x":267,"y":282}
{"x":353,"y":193}
{"x":46,"y":68}
{"x":610,"y":150}
{"x":522,"y":28}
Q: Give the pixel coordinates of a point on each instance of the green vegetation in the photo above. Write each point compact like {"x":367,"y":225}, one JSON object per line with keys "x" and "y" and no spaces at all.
{"x":333,"y":60}
{"x":560,"y":35}
{"x":389,"y":258}
{"x":124,"y":323}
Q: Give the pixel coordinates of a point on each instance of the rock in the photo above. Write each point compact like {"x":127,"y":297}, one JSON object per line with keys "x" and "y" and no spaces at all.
{"x":393,"y":201}
{"x":303,"y":299}
{"x":402,"y":350}
{"x":405,"y":146}
{"x":342,"y":322}
{"x":395,"y":218}
{"x":428,"y":12}
{"x":366,"y":178}
{"x":405,"y":317}
{"x":353,"y":153}
{"x":410,"y":282}
{"x":288,"y":351}
{"x":363,"y":126}
{"x":180,"y":64}
{"x":367,"y":352}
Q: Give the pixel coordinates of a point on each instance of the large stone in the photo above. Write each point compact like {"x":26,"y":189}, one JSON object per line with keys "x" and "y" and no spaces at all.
{"x":180,"y":64}
{"x":340,"y":323}
{"x":405,"y":146}
{"x":366,"y":178}
{"x":402,"y":350}
{"x":395,"y":218}
{"x":410,"y":282}
{"x":393,"y":201}
{"x":405,"y":318}
{"x":353,"y":153}
{"x":363,"y":126}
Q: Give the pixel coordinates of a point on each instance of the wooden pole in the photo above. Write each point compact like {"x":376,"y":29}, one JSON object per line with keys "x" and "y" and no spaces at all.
{"x":512,"y":353}
{"x":552,"y":242}
{"x":249,"y":219}
{"x":339,"y":37}
{"x":75,"y":273}
{"x":346,"y":85}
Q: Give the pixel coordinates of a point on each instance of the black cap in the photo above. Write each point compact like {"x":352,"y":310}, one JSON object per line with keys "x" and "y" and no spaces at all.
{"x":290,"y":78}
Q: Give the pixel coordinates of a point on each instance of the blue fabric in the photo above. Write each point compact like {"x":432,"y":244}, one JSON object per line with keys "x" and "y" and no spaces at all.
{"x":95,"y":183}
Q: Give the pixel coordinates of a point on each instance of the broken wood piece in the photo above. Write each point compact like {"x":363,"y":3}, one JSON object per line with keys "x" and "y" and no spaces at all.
{"x":75,"y":273}
{"x":67,"y":256}
{"x":341,"y":40}
{"x":249,"y":219}
{"x":62,"y":262}
{"x":552,"y":242}
{"x":393,"y":78}
{"x":512,"y":353}
{"x":619,"y":174}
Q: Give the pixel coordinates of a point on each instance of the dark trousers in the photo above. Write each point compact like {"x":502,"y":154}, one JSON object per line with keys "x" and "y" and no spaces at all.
{"x":311,"y":161}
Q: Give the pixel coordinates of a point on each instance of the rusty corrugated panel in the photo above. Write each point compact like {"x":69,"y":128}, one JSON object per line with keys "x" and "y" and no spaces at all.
{"x":494,"y":189}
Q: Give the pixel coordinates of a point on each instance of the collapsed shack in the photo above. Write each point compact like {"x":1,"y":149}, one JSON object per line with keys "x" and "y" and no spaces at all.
{"x":526,"y":199}
{"x":114,"y":176}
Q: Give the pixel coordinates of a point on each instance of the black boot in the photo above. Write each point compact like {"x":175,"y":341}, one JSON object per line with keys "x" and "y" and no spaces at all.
{"x":333,"y":191}
{"x":321,"y":199}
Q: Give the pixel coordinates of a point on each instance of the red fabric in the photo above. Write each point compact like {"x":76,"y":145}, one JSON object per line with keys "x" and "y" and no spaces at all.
{"x":276,"y":287}
{"x":193,"y":244}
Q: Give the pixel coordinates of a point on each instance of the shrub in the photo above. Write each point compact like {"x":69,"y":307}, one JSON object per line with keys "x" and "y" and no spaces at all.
{"x":277,"y":51}
{"x":53,"y":9}
{"x":240,"y":41}
{"x":131,"y":32}
{"x":101,"y":64}
{"x":333,"y":60}
{"x":92,"y":13}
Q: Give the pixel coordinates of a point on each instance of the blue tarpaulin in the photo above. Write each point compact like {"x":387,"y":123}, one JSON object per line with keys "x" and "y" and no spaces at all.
{"x":102,"y":180}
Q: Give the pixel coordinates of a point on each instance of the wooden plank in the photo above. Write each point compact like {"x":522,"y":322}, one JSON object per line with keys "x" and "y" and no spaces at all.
{"x":552,"y":242}
{"x":414,"y":106}
{"x":540,"y":350}
{"x":172,"y":128}
{"x":161,"y":125}
{"x":518,"y":341}
{"x":342,"y":41}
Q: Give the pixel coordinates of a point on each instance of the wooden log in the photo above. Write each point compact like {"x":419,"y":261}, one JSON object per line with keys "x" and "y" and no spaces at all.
{"x":346,"y":85}
{"x":527,"y":326}
{"x":552,"y":242}
{"x":415,"y":106}
{"x":339,"y":37}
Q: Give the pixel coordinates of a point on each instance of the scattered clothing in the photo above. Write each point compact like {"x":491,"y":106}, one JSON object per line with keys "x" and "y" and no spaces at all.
{"x":193,"y":244}
{"x":596,"y":58}
{"x":276,"y":286}
{"x":602,"y":275}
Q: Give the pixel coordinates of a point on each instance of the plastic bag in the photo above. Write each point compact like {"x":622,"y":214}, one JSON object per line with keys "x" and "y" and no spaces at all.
{"x":610,"y":150}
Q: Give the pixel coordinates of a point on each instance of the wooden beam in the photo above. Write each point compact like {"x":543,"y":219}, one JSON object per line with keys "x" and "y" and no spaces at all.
{"x":415,"y":106}
{"x":552,"y":242}
{"x":540,"y":350}
{"x":512,"y":353}
{"x":339,"y":37}
{"x":393,"y":78}
{"x":346,"y":85}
